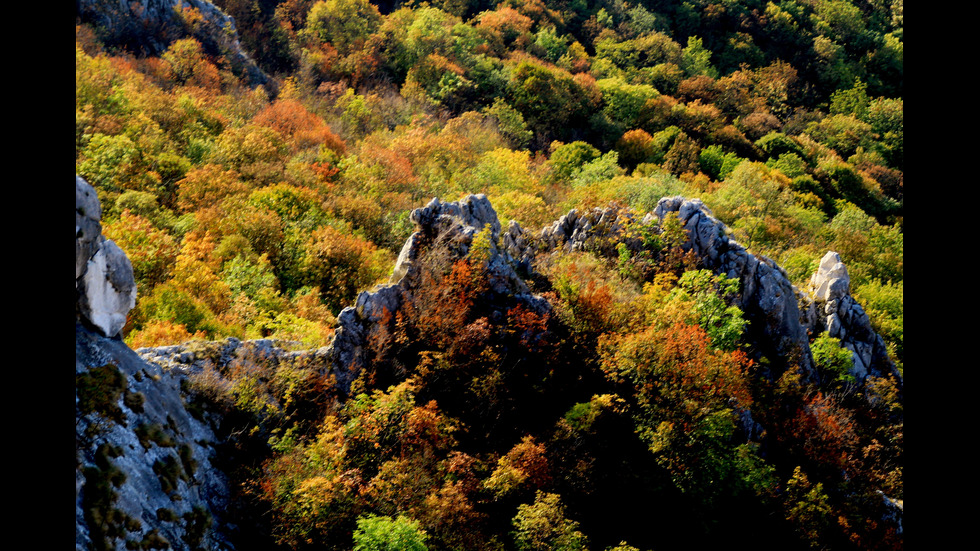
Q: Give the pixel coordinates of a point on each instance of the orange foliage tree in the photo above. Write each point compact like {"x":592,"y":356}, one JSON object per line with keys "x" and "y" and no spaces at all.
{"x":299,"y":127}
{"x":687,"y":393}
{"x":341,"y":264}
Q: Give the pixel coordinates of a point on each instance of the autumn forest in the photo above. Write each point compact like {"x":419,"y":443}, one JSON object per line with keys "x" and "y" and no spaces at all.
{"x":256,"y":196}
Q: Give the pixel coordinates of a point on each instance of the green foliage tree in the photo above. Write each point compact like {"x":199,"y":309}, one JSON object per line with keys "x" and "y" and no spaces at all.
{"x":551,"y":44}
{"x":775,"y":144}
{"x":843,"y":133}
{"x":341,"y":265}
{"x":510,"y":123}
{"x":885,"y":305}
{"x":716,"y":163}
{"x":807,"y":507}
{"x":646,"y":51}
{"x":696,"y":59}
{"x":552,"y":101}
{"x":151,"y":251}
{"x":832,"y":358}
{"x":713,"y":296}
{"x":542,"y":525}
{"x":624,"y":103}
{"x":109,"y":162}
{"x":567,"y":158}
{"x":853,"y":101}
{"x":887,"y":120}
{"x":346,"y":24}
{"x":379,"y":533}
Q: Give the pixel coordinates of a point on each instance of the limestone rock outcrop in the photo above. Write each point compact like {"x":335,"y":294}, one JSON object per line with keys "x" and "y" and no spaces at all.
{"x":455,"y":225}
{"x":834,"y":310}
{"x":105,"y":288}
{"x":451,"y":226}
{"x":573,"y":231}
{"x":769,"y":300}
{"x":170,"y":487}
{"x":146,"y":468}
{"x":782,"y":318}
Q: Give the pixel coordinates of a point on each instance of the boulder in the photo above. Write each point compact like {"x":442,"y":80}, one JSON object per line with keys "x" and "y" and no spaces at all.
{"x":88,"y":228}
{"x":105,"y":288}
{"x":110,"y":289}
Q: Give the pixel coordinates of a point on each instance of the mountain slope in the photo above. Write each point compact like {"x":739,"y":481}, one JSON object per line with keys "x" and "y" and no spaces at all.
{"x":163,"y":437}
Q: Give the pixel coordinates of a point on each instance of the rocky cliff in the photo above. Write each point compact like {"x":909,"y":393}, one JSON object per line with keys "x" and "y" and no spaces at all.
{"x":145,"y":471}
{"x":148,"y":27}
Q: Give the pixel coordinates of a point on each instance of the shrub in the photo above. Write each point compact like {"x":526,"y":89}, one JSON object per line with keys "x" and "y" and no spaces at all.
{"x":542,"y":525}
{"x":376,"y":533}
{"x":147,"y":433}
{"x":169,"y":472}
{"x":831,"y":358}
{"x":198,"y":522}
{"x":134,"y":401}
{"x":99,"y":390}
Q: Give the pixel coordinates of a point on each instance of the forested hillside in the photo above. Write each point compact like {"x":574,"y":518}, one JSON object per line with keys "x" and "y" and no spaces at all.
{"x":616,"y":394}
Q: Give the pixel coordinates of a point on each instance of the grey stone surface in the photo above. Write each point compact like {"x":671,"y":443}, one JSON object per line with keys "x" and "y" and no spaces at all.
{"x":105,"y":288}
{"x":88,"y":228}
{"x":141,"y":493}
{"x":831,"y":308}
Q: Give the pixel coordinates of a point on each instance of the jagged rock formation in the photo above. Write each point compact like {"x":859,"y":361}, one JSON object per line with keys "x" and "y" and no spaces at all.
{"x":834,"y":310}
{"x":769,"y":300}
{"x":144,"y":472}
{"x":148,"y":27}
{"x":782,"y":317}
{"x":452,"y":226}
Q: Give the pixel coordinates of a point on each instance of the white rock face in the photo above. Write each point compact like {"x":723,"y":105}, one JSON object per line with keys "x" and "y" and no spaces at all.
{"x":105,"y":288}
{"x":110,"y":291}
{"x":831,"y":280}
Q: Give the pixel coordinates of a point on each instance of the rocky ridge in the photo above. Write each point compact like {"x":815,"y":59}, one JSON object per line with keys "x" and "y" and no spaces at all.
{"x":450,"y":225}
{"x":781,"y":320}
{"x":831,"y":308}
{"x":782,"y":317}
